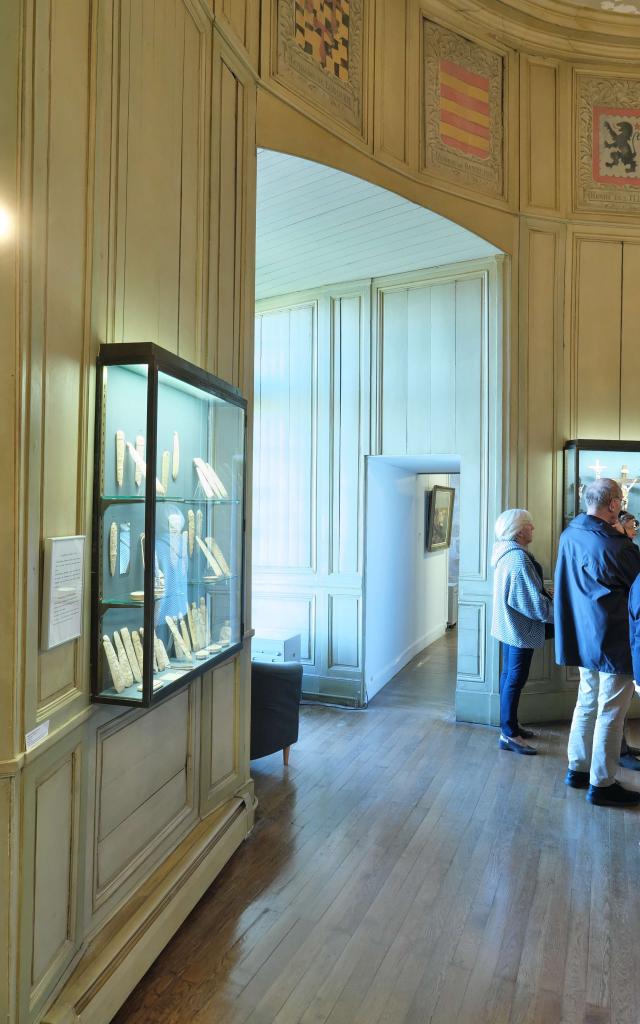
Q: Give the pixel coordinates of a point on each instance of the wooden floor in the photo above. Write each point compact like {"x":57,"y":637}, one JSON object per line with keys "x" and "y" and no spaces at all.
{"x":403,"y":869}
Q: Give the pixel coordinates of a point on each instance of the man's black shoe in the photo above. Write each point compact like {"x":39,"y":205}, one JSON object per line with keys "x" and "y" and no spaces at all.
{"x":577,"y":780}
{"x":526,"y":734}
{"x":612,"y":796}
{"x":630,"y":761}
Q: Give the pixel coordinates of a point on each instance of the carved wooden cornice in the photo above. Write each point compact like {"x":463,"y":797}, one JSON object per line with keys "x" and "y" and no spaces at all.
{"x":552,"y":28}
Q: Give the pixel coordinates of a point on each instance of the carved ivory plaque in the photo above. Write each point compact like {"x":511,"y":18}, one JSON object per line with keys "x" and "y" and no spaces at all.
{"x":114,"y":664}
{"x":191,"y":529}
{"x":62,"y":590}
{"x":175,"y":461}
{"x":209,"y":557}
{"x":164,"y":472}
{"x":113,"y":548}
{"x":119,"y":457}
{"x":140,"y":451}
{"x":127,"y":643}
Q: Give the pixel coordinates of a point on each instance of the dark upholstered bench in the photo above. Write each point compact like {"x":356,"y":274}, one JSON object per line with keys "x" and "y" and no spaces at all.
{"x":275,"y":707}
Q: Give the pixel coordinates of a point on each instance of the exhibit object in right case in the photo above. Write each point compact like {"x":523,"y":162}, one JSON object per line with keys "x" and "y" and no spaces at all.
{"x":589,"y":460}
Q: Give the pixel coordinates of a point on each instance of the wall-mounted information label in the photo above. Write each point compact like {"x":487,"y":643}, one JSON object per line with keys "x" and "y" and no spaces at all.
{"x":62,"y":590}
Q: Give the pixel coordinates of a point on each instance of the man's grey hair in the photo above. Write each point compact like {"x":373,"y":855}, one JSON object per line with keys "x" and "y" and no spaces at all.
{"x":600,"y":493}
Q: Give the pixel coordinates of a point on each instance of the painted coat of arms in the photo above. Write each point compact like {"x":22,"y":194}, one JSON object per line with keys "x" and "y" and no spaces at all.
{"x":319,"y":54}
{"x":608,"y":141}
{"x":463,"y":110}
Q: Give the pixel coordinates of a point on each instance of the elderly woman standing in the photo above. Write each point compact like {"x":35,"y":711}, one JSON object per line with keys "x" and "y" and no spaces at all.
{"x":521,"y":608}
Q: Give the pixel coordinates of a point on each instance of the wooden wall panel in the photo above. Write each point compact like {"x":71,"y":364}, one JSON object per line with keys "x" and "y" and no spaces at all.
{"x":347,"y":404}
{"x":272,"y":609}
{"x":630,"y":349}
{"x":285,"y":439}
{"x":8,"y":870}
{"x":345,"y":641}
{"x":442,"y":394}
{"x":241,"y":20}
{"x":55,"y":839}
{"x":469,"y":439}
{"x":59,"y":370}
{"x":418,"y":364}
{"x":223,"y":712}
{"x":393,"y":326}
{"x":539,"y":140}
{"x":229,"y":155}
{"x":598,"y":291}
{"x":538,"y":339}
{"x":389,"y":78}
{"x":161,"y":156}
{"x":471,"y":640}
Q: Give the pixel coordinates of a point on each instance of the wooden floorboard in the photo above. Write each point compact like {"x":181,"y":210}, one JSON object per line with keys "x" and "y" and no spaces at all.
{"x":403,"y":870}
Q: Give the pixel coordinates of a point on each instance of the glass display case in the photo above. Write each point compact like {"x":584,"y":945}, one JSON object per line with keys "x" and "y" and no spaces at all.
{"x":168,"y":524}
{"x":585,"y":461}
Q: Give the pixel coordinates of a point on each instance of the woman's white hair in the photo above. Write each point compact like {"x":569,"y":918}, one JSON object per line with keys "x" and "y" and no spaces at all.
{"x":510,"y":522}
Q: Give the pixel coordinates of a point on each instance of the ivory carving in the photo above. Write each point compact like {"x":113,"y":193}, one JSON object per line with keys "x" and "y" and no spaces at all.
{"x":131,"y":654}
{"x":137,"y":647}
{"x":160,"y":653}
{"x":142,"y":548}
{"x":120,"y":457}
{"x":199,"y":522}
{"x":184,"y":633}
{"x":193,"y":629}
{"x":175,"y":462}
{"x":114,"y":664}
{"x":140,"y":451}
{"x":209,"y":557}
{"x":164,"y":472}
{"x":113,"y":548}
{"x":204,"y":482}
{"x":197,"y":625}
{"x":201,"y":655}
{"x":191,"y":530}
{"x":216,"y":482}
{"x":123,"y":661}
{"x":219,"y":557}
{"x":181,"y":652}
{"x":205,"y":621}
{"x":142,"y":466}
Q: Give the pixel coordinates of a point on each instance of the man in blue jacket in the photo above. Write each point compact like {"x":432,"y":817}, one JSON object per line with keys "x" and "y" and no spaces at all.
{"x":596,"y":567}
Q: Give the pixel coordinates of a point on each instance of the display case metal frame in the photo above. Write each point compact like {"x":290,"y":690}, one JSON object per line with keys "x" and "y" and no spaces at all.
{"x":158,"y":360}
{"x":578,"y":445}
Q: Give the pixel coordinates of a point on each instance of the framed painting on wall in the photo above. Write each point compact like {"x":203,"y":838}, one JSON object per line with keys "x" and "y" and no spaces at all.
{"x":439,"y":517}
{"x":608,"y":143}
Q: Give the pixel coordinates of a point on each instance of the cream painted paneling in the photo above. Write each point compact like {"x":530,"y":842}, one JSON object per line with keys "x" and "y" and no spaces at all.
{"x":471,"y":437}
{"x":223,"y":711}
{"x":345,"y":641}
{"x":159,"y":174}
{"x":285,"y":439}
{"x":471,"y":642}
{"x":442,"y":368}
{"x":596,"y":341}
{"x":8,"y":844}
{"x":277,"y":608}
{"x":393,"y":333}
{"x":419,"y":396}
{"x":390,"y":70}
{"x":539,"y":143}
{"x":630,"y":349}
{"x":349,"y":399}
{"x":240,"y":18}
{"x":55,"y":846}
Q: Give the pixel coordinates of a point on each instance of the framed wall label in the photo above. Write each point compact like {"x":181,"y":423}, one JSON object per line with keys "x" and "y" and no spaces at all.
{"x":62,"y":591}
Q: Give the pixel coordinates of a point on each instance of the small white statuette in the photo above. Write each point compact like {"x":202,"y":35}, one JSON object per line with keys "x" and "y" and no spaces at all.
{"x":131,"y":654}
{"x":225,"y":633}
{"x":184,"y":633}
{"x":113,"y":548}
{"x":209,"y":557}
{"x":175,"y":462}
{"x":193,"y":627}
{"x":191,"y":530}
{"x":123,"y":661}
{"x":137,"y":647}
{"x":114,"y":665}
{"x":119,"y":457}
{"x":140,"y":451}
{"x":219,"y":557}
{"x":164,"y":472}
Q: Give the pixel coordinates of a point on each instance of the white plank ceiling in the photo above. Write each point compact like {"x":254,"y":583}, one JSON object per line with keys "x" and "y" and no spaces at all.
{"x":317,"y":226}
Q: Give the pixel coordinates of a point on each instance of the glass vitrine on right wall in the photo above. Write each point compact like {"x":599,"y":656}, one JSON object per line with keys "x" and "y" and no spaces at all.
{"x":588,"y":460}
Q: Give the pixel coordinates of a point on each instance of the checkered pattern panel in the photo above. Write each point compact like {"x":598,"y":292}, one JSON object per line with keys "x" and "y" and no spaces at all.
{"x":322,"y":30}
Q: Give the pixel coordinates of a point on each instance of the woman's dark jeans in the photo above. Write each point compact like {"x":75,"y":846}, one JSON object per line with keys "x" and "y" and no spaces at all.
{"x":516,"y":662}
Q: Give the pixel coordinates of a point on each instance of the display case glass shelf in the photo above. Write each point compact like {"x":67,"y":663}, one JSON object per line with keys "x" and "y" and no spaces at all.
{"x":588,"y":460}
{"x":168,"y":524}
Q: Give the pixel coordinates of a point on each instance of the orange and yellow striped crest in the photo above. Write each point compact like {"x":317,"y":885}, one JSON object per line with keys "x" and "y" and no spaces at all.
{"x":464,"y":110}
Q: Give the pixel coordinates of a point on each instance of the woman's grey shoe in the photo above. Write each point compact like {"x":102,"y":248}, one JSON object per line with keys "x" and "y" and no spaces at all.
{"x":509,"y":743}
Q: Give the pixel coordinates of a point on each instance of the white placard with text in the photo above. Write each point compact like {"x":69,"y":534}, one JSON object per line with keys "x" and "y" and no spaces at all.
{"x":62,"y":590}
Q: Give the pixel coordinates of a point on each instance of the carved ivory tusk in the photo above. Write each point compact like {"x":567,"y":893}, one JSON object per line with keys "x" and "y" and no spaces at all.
{"x":209,"y":557}
{"x":202,"y":477}
{"x":137,"y":647}
{"x":113,"y":548}
{"x":114,"y":664}
{"x":161,"y":654}
{"x":142,"y":466}
{"x":184,"y":633}
{"x":123,"y":661}
{"x":140,"y":451}
{"x":191,"y":530}
{"x":131,"y":654}
{"x":175,"y":463}
{"x":205,"y":622}
{"x":164,"y":472}
{"x":199,"y":522}
{"x":219,"y":557}
{"x":119,"y":457}
{"x":181,"y":653}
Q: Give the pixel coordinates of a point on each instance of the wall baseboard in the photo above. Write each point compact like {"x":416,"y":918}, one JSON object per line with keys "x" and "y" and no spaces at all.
{"x":123,"y":951}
